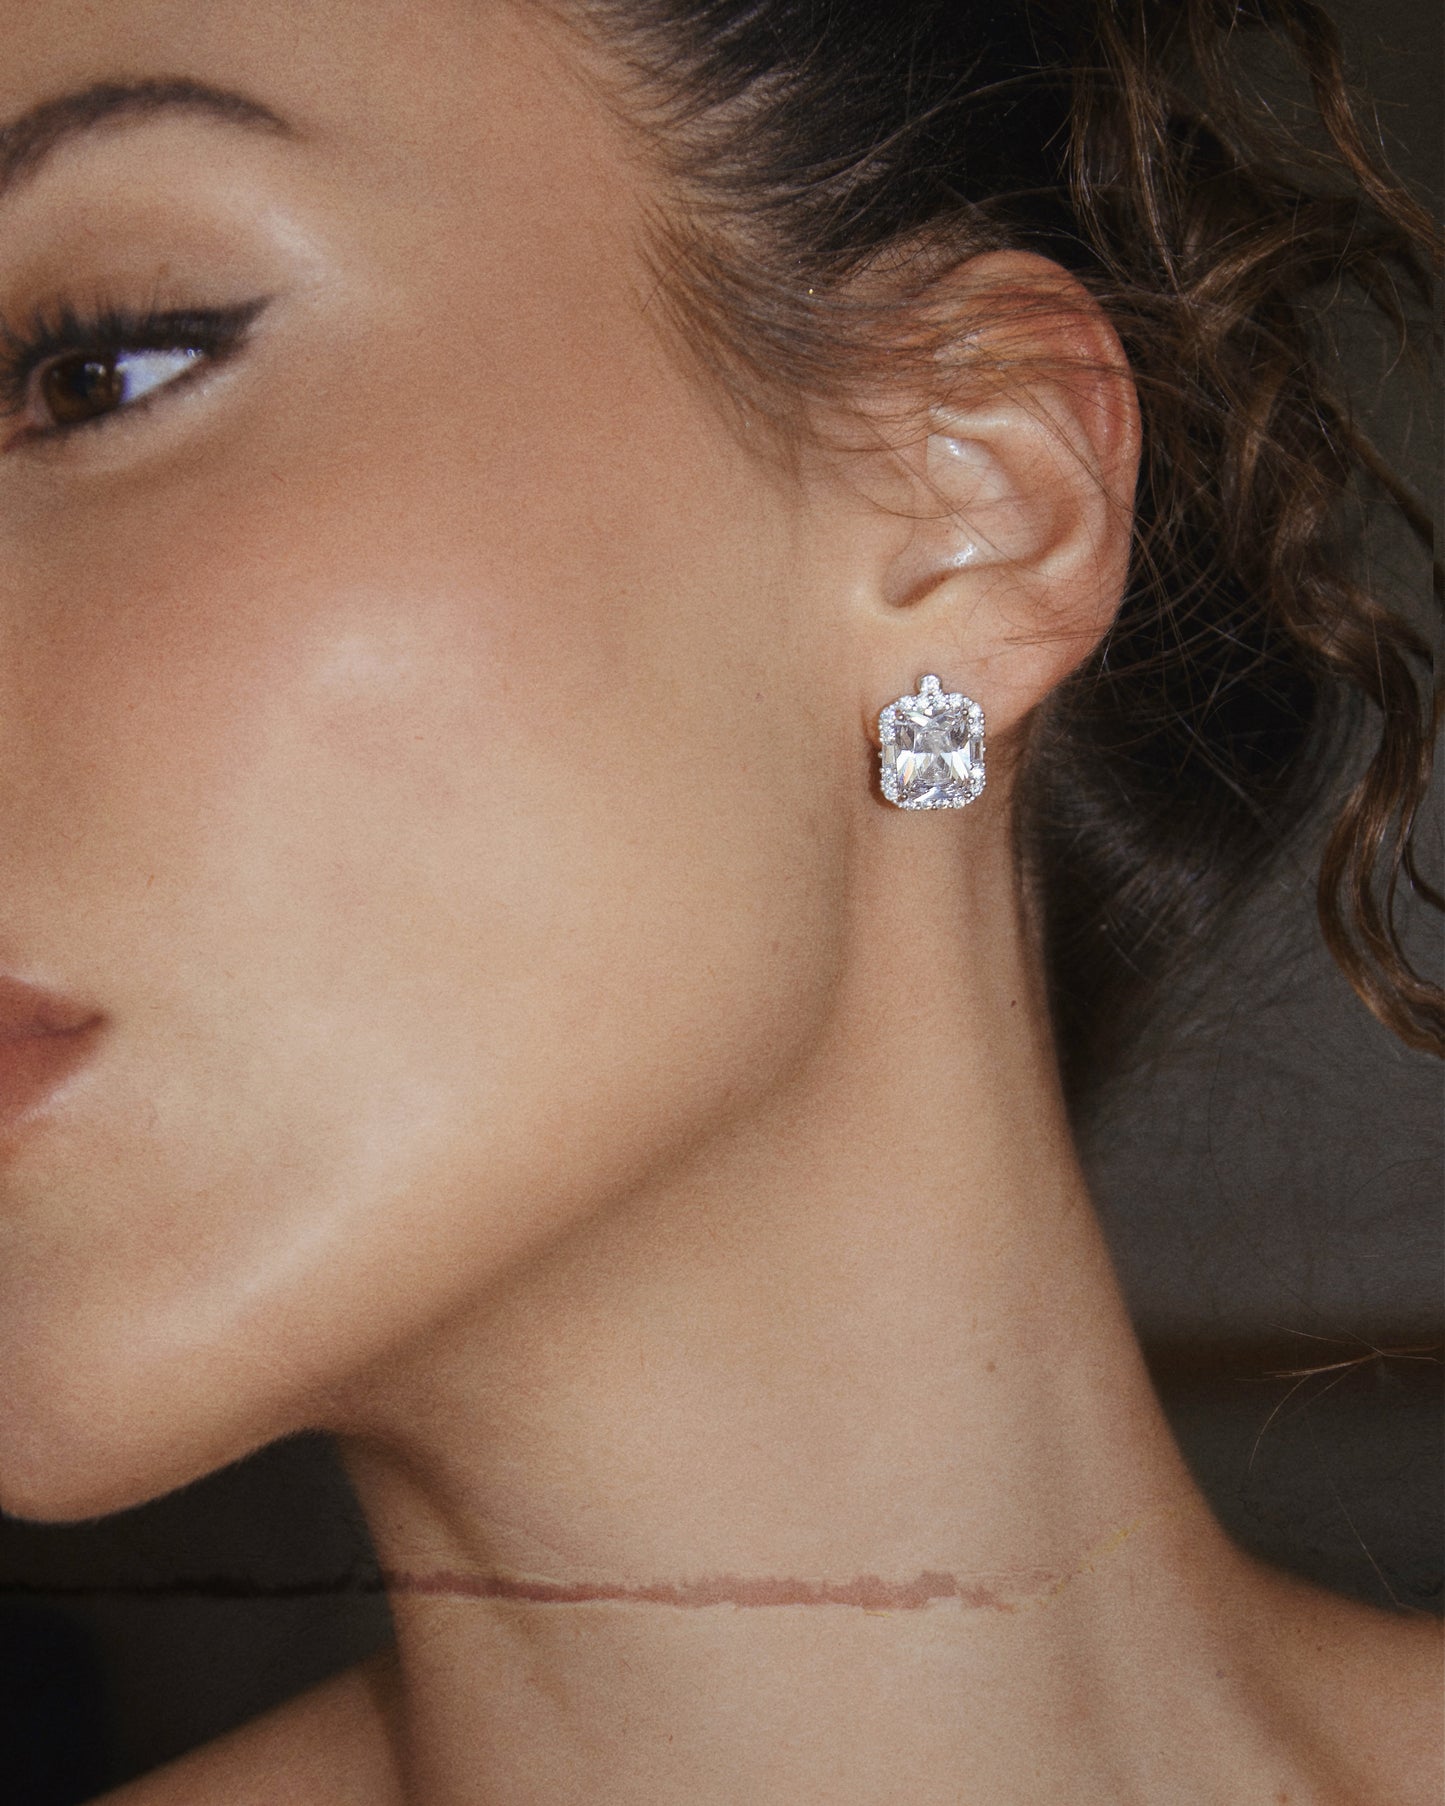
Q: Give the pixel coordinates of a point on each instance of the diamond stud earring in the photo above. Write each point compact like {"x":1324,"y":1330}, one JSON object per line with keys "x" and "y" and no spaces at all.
{"x":932,"y":747}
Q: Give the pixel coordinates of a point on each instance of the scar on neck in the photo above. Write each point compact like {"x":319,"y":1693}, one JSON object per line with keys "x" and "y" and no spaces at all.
{"x":867,"y":1592}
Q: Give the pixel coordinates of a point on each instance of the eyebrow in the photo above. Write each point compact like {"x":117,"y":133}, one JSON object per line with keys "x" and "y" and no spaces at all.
{"x":28,"y":141}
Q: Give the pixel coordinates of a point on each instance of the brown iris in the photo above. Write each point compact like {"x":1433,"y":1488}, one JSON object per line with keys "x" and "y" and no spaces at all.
{"x":81,"y":387}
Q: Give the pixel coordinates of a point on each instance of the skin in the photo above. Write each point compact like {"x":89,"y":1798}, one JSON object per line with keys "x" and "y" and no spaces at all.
{"x":437,"y":741}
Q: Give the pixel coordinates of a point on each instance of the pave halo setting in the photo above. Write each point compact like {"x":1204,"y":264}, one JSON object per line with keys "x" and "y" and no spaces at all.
{"x":932,"y":749}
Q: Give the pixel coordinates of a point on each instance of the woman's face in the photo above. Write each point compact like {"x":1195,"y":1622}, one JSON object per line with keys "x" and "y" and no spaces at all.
{"x":408,"y":743}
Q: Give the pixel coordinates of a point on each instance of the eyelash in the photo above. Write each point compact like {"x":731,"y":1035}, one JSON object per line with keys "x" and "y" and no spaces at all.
{"x":106,"y":332}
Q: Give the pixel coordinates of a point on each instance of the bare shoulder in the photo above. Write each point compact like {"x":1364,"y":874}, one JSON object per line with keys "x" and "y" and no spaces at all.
{"x":328,"y":1747}
{"x":1393,"y":1687}
{"x":1369,"y":1685}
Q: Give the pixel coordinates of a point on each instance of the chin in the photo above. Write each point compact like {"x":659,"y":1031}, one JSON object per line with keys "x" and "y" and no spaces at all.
{"x":51,"y":1478}
{"x":80,"y":1445}
{"x":54,"y":1478}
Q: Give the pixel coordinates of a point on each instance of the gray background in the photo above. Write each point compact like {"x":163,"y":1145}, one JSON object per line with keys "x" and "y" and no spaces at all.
{"x":1270,"y":1176}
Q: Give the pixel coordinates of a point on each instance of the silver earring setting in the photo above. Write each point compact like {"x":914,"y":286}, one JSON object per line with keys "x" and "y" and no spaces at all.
{"x":932,"y":749}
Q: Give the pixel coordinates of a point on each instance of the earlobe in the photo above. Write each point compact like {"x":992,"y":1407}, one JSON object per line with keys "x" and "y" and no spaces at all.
{"x":1021,"y":523}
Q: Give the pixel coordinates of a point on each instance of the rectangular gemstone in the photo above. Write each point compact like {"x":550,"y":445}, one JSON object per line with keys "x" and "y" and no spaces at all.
{"x":932,"y":750}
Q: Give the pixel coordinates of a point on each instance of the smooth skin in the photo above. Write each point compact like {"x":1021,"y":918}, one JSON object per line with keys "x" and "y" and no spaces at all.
{"x":436,"y":738}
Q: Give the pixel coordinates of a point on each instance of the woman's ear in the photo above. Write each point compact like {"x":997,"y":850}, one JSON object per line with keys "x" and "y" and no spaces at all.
{"x":1004,"y":562}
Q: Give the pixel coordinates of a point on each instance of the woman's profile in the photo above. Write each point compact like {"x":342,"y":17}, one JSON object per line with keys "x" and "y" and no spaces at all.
{"x":637,"y":636}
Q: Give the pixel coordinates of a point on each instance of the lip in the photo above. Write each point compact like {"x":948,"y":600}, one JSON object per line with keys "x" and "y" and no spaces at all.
{"x":44,"y":1039}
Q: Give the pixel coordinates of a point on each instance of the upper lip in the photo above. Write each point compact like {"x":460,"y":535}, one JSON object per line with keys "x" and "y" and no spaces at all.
{"x":29,"y":1010}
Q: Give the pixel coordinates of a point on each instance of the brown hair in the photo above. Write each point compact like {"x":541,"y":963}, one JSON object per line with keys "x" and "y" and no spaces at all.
{"x":808,"y":142}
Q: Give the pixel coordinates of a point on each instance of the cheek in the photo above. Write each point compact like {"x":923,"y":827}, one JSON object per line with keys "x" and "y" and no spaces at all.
{"x":431,"y":859}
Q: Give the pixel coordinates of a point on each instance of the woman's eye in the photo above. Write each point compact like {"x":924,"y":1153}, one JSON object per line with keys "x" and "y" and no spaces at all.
{"x":63,"y":370}
{"x":83,"y":386}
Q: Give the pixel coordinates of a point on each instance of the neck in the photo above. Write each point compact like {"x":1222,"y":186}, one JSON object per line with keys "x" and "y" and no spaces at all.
{"x":730,"y":1495}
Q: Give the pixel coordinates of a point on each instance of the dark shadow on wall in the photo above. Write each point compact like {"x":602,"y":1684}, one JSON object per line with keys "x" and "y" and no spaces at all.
{"x":54,"y":1747}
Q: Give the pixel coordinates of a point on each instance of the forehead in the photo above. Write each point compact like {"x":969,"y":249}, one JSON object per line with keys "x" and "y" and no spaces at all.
{"x":389,"y":85}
